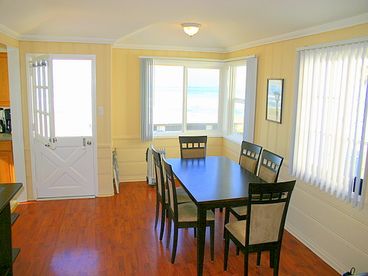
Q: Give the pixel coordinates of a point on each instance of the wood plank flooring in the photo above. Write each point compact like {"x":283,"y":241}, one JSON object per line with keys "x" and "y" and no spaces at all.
{"x":116,"y":236}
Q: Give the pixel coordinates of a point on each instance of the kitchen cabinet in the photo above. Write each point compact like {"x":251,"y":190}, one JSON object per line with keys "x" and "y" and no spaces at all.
{"x":4,"y":81}
{"x":6,"y":162}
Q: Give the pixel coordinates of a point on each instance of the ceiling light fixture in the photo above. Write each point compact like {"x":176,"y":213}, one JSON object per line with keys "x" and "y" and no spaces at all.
{"x":191,"y":28}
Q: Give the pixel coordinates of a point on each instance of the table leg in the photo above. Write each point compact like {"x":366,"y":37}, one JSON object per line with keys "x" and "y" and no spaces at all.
{"x":6,"y":266}
{"x":201,"y":239}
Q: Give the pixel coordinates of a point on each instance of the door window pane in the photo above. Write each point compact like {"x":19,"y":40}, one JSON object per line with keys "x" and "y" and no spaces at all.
{"x":168,"y":98}
{"x":72,"y":97}
{"x":203,"y":98}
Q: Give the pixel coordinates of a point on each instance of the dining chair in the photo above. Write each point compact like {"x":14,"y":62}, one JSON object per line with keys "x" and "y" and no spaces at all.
{"x":183,"y":215}
{"x":193,"y":146}
{"x":270,"y":165}
{"x":263,"y":229}
{"x":248,"y":159}
{"x":162,"y":194}
{"x":249,"y":156}
{"x":269,"y":169}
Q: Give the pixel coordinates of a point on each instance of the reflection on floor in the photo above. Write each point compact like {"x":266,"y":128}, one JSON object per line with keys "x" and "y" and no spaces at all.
{"x":116,"y":236}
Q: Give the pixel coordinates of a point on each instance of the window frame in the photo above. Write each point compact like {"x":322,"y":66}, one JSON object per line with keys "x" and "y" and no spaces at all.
{"x":232,"y":100}
{"x":186,"y":64}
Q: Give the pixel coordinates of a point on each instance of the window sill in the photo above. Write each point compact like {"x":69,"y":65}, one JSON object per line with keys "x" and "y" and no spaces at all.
{"x":234,"y":138}
{"x":177,"y":134}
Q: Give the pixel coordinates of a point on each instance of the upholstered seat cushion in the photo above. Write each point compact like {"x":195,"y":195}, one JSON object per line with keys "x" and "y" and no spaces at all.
{"x":241,"y":210}
{"x":187,"y":212}
{"x":237,"y":229}
{"x":182,"y":195}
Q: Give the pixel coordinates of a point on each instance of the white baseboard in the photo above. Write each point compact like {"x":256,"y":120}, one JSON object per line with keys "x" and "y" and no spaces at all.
{"x":330,"y":260}
{"x":132,"y":178}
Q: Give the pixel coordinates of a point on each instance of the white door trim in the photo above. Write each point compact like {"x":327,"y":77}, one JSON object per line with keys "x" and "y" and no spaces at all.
{"x":94,"y":118}
{"x":17,"y":121}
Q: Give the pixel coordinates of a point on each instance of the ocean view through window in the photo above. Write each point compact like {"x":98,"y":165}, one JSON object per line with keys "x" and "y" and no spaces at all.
{"x":185,"y":98}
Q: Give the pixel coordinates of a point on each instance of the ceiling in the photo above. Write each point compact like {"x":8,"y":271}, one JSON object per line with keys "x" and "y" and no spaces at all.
{"x":155,"y":24}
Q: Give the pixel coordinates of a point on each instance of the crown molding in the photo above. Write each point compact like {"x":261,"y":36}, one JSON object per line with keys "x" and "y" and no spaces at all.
{"x":9,"y":32}
{"x":331,"y":26}
{"x":167,"y":48}
{"x":73,"y":39}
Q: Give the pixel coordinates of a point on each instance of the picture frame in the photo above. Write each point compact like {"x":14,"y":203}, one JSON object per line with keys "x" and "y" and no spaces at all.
{"x":275,"y":90}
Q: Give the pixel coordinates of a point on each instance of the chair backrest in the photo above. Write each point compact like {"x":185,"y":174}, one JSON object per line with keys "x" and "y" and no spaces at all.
{"x":267,"y":208}
{"x":270,"y":166}
{"x":173,"y":203}
{"x":160,"y":181}
{"x":193,"y":146}
{"x":249,"y":156}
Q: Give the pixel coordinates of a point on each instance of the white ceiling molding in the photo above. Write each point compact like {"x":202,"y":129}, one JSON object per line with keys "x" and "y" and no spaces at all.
{"x":167,"y":48}
{"x":9,"y":32}
{"x":74,"y":39}
{"x":335,"y":25}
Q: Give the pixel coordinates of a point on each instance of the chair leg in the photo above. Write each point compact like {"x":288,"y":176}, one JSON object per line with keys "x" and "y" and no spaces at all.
{"x":226,"y":250}
{"x":195,"y":232}
{"x":175,"y":243}
{"x":276,"y":261}
{"x":246,"y":263}
{"x":212,"y":241}
{"x":157,"y":209}
{"x":163,"y":211}
{"x":272,"y":256}
{"x":227,"y":218}
{"x":259,"y":258}
{"x":168,"y":232}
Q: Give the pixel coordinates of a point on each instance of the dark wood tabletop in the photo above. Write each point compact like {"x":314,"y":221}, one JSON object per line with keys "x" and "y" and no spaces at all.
{"x":7,"y":192}
{"x":213,"y":179}
{"x":212,"y":182}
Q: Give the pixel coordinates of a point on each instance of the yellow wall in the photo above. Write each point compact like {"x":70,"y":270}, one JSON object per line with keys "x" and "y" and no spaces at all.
{"x":331,"y":228}
{"x":8,"y":41}
{"x":103,"y":98}
{"x":278,"y":60}
{"x":126,"y":112}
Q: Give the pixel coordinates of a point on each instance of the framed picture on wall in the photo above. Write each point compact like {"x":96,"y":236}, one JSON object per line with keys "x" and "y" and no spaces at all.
{"x":275,"y":91}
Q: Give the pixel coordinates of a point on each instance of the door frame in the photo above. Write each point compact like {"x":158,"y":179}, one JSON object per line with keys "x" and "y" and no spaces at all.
{"x":17,"y":120}
{"x":94,"y":121}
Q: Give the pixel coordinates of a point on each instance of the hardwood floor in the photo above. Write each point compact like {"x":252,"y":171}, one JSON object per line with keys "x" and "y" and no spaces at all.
{"x":116,"y":236}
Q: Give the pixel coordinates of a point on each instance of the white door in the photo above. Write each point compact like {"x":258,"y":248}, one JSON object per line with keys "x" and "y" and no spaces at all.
{"x":63,"y":140}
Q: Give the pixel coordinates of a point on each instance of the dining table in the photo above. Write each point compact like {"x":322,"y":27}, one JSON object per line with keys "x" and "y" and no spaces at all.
{"x":212,"y":182}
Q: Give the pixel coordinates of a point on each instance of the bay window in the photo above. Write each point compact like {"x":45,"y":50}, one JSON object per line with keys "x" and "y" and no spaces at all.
{"x":196,"y":97}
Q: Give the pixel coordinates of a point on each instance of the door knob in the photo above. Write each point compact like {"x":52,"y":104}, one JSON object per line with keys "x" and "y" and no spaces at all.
{"x":89,"y":143}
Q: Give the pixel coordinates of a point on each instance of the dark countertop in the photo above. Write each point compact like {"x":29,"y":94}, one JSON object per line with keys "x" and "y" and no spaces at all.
{"x":7,"y":192}
{"x":5,"y":137}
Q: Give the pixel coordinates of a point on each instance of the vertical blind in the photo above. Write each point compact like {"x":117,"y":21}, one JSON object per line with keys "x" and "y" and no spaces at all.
{"x":146,"y":83}
{"x":330,"y":143}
